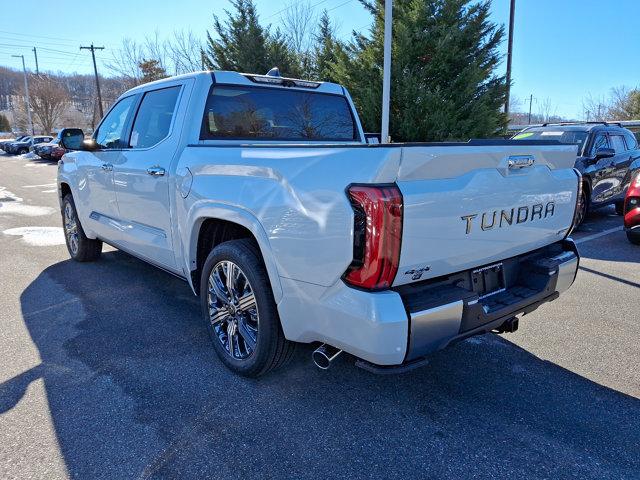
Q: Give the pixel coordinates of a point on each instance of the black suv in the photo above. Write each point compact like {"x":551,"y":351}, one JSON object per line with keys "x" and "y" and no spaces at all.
{"x":608,"y":157}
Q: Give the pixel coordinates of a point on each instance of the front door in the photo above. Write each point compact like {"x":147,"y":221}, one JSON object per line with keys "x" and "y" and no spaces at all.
{"x":141,"y":178}
{"x":604,"y":180}
{"x":96,"y":195}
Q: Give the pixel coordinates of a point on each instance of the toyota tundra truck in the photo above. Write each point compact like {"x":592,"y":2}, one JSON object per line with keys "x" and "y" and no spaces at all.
{"x":264,"y":195}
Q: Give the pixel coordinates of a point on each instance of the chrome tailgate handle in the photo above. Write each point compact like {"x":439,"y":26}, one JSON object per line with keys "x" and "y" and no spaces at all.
{"x":107,"y":167}
{"x":156,"y":171}
{"x":520,"y":161}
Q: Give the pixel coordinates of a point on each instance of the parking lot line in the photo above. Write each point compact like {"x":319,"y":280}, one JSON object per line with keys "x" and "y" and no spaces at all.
{"x":598,"y":235}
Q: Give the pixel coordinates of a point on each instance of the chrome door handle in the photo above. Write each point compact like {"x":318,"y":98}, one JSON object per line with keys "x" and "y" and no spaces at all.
{"x":107,"y":167}
{"x":156,"y":171}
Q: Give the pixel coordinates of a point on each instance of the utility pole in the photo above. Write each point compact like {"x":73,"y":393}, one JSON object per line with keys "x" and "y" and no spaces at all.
{"x":26,"y":91}
{"x":35,"y":53}
{"x":530,"y":102}
{"x":512,"y":12}
{"x":95,"y":71}
{"x":386,"y":71}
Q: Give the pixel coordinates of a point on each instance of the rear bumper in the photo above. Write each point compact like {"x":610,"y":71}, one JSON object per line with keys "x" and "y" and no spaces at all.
{"x":444,"y":312}
{"x":400,"y":325}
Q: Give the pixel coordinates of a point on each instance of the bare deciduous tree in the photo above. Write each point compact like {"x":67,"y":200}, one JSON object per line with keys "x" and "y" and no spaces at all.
{"x":547,"y":109}
{"x":625,"y":104}
{"x":48,"y":100}
{"x":181,"y":53}
{"x":299,"y":25}
{"x":185,"y":52}
{"x":595,"y":108}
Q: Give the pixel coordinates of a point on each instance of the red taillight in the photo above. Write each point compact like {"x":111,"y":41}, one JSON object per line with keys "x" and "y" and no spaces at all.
{"x":377,"y":234}
{"x":632,"y":203}
{"x":58,"y":152}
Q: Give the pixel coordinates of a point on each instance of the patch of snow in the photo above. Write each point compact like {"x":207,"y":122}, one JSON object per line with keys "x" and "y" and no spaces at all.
{"x":12,"y":204}
{"x":38,"y":236}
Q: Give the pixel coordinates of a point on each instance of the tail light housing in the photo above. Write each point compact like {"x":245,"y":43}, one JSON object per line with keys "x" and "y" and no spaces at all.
{"x":632,"y":203}
{"x":58,"y":152}
{"x":576,"y":210}
{"x":378,"y":212}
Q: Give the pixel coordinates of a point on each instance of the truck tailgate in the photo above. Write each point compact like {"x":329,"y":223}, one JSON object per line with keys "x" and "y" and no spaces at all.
{"x":468,"y":207}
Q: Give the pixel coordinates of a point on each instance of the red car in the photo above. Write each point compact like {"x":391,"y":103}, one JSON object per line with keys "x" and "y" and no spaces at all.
{"x":632,"y":211}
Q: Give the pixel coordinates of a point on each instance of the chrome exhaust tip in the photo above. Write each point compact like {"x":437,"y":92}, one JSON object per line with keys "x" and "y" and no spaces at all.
{"x":324,"y":355}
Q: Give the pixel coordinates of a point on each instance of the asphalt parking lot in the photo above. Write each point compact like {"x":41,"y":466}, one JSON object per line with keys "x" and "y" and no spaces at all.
{"x":106,"y":372}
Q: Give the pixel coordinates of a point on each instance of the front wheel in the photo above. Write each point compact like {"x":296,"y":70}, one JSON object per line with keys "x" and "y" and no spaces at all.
{"x":583,"y":207}
{"x":240,"y":312}
{"x":81,"y":248}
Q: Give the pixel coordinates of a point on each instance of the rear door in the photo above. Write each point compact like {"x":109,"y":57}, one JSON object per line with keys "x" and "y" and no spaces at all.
{"x":142,"y":176}
{"x":621,"y":162}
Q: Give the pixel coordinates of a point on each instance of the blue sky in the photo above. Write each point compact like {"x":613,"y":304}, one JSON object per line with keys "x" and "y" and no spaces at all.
{"x":564,"y":50}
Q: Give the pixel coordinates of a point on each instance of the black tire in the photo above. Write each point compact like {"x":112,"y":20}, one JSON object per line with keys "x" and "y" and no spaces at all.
{"x":583,"y":207}
{"x":81,"y":248}
{"x":22,"y":151}
{"x":271,"y":349}
{"x":634,"y":237}
{"x":619,"y":206}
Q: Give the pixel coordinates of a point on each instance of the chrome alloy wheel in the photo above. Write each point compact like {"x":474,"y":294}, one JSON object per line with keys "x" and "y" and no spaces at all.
{"x":233,"y":311}
{"x":71,"y":228}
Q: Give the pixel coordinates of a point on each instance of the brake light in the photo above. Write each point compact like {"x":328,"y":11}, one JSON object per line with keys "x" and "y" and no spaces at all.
{"x":576,"y":210}
{"x":377,"y":235}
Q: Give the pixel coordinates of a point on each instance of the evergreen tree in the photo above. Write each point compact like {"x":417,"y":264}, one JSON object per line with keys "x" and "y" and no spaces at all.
{"x":444,"y":81}
{"x":326,"y":51}
{"x":151,"y":70}
{"x":243,"y":45}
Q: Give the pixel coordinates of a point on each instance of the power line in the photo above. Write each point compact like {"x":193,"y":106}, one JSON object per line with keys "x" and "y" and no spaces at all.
{"x":31,"y":35}
{"x":37,"y":36}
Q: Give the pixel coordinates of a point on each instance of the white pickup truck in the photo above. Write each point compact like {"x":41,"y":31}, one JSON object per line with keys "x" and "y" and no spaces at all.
{"x":263,"y":194}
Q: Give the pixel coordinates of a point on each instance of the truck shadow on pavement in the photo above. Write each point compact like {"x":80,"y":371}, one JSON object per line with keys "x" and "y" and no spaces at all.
{"x":134,"y":390}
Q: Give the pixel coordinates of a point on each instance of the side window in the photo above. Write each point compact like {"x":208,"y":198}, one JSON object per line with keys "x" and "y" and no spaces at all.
{"x":617,"y":143}
{"x":630,"y":139}
{"x":111,"y":130}
{"x":600,"y":142}
{"x":153,"y":119}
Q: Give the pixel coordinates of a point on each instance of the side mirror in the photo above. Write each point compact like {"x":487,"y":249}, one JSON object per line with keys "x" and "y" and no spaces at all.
{"x":72,"y":139}
{"x":604,"y":152}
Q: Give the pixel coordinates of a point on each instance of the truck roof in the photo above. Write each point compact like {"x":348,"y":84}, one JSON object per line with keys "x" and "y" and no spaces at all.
{"x":250,"y":79}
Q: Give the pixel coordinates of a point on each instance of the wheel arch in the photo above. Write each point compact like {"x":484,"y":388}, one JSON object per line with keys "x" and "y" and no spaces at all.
{"x":214,"y":224}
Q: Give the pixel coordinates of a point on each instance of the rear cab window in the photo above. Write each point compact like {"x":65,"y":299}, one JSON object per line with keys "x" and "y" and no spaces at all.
{"x":154,"y":116}
{"x":630,"y":140}
{"x":283,"y":114}
{"x":617,"y":143}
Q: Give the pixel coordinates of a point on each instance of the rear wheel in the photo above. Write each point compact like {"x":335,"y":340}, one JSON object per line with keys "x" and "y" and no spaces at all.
{"x":240,"y":312}
{"x":81,"y":248}
{"x":22,"y":151}
{"x":619,"y":208}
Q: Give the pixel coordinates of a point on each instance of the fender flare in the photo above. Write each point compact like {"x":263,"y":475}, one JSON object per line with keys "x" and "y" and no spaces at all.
{"x":205,"y":210}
